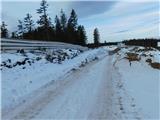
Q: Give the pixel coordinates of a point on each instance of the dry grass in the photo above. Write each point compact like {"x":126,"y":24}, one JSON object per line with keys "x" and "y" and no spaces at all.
{"x":132,"y":57}
{"x":116,"y":50}
{"x":155,"y":65}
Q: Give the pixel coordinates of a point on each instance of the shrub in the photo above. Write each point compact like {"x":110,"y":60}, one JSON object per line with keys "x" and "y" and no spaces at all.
{"x":155,"y":65}
{"x":144,"y":55}
{"x":42,"y":49}
{"x":38,"y":58}
{"x":21,"y":51}
{"x":116,"y":50}
{"x":132,"y":57}
{"x":49,"y":58}
{"x":149,"y":60}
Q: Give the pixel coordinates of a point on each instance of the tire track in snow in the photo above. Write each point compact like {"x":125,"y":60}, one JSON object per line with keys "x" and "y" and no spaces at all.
{"x":73,"y":99}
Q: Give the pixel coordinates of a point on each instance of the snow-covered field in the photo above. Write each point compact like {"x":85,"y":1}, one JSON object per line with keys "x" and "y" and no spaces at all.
{"x":139,"y":82}
{"x":122,"y":85}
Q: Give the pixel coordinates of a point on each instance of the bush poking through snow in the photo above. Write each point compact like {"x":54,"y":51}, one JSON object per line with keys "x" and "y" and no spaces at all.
{"x":38,"y":58}
{"x":21,"y":51}
{"x":42,"y":49}
{"x":58,"y":56}
{"x":116,"y":50}
{"x":96,"y":58}
{"x":83,"y":63}
{"x":8,"y":64}
{"x":144,"y":55}
{"x":53,"y":56}
{"x":155,"y":65}
{"x":21,"y":62}
{"x":132,"y":57}
{"x":149,"y":60}
{"x":49,"y":58}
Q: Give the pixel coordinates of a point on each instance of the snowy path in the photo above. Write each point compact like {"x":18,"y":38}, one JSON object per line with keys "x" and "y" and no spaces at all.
{"x":85,"y":94}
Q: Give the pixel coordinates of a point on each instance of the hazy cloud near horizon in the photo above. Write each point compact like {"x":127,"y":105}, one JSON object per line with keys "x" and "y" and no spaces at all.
{"x":115,"y":20}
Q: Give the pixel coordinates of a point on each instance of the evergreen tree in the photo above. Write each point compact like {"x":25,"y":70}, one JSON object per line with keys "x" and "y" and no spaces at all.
{"x":96,"y":37}
{"x":82,"y":38}
{"x":14,"y":35}
{"x":63,"y":20}
{"x":28,"y":26}
{"x":45,"y":20}
{"x":4,"y":31}
{"x":29,"y":23}
{"x":64,"y":30}
{"x":72,"y":27}
{"x":58,"y":28}
{"x":72,"y":22}
{"x":21,"y":29}
{"x":52,"y":32}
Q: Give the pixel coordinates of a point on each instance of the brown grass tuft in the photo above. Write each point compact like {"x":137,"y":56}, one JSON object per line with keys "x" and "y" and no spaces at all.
{"x":155,"y":65}
{"x":132,"y":57}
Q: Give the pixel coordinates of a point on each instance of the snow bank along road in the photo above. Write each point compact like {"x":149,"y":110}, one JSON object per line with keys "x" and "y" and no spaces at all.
{"x":85,"y":94}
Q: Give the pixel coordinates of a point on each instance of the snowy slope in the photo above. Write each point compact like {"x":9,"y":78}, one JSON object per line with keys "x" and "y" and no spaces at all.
{"x":140,"y":82}
{"x":20,"y":81}
{"x":144,"y":87}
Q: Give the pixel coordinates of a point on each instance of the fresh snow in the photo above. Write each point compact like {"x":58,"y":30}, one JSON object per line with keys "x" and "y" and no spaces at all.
{"x":140,"y":82}
{"x":85,"y":85}
{"x":18,"y":83}
{"x":144,"y":87}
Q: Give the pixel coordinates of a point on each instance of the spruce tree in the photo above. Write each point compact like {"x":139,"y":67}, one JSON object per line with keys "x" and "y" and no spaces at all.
{"x":58,"y":29}
{"x":72,"y":21}
{"x":14,"y":35}
{"x":63,"y":20}
{"x":21,"y":29}
{"x":82,"y":38}
{"x":96,"y":37}
{"x":45,"y":20}
{"x":29,"y":23}
{"x":72,"y":27}
{"x":4,"y":31}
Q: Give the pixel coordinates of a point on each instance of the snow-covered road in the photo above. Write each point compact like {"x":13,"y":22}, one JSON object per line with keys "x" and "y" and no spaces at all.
{"x":85,"y":94}
{"x":93,"y":85}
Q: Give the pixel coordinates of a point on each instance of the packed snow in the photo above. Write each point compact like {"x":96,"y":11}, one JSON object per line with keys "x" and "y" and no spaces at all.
{"x":21,"y":80}
{"x":140,"y":82}
{"x":120,"y":85}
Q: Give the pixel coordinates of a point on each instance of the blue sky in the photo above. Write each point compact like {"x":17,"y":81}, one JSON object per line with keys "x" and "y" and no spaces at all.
{"x":116,"y":19}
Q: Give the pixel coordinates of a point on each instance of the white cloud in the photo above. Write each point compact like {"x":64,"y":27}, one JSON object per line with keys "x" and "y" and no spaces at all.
{"x":135,"y":19}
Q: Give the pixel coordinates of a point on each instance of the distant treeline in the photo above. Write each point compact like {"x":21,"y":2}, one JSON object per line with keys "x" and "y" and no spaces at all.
{"x":146,"y":42}
{"x":63,"y":29}
{"x":93,"y":45}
